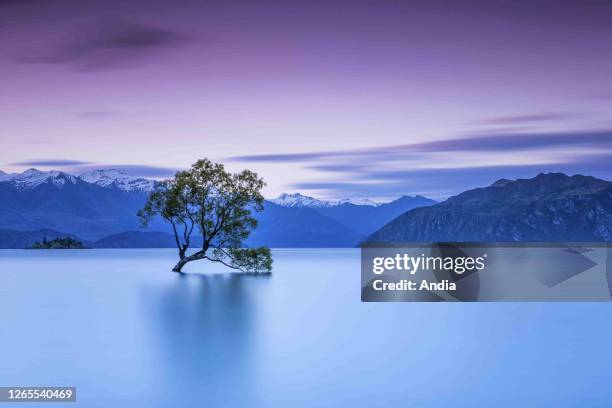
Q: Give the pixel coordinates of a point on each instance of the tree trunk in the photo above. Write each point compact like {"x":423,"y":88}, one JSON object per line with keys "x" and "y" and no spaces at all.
{"x":182,"y":261}
{"x":185,"y":259}
{"x":179,"y":266}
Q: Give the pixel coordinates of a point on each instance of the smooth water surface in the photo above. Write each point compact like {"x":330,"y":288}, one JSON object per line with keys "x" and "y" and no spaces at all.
{"x":127,"y":332}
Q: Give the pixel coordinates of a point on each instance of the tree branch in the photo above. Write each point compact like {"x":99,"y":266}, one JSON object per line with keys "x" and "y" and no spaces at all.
{"x":224,"y":263}
{"x":176,"y":238}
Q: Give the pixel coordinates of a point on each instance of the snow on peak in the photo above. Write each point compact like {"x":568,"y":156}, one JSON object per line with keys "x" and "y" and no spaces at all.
{"x":110,"y":178}
{"x":358,"y":201}
{"x":117,"y":178}
{"x":300,"y":200}
{"x":33,"y":178}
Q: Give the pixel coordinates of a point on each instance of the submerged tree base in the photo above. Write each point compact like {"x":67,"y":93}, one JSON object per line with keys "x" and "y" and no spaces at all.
{"x":247,"y":260}
{"x":185,"y":260}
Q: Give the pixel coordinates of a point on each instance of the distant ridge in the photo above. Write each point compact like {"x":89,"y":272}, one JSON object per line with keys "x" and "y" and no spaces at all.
{"x":118,"y":179}
{"x":548,"y":207}
{"x":300,"y":200}
{"x":33,"y":178}
{"x":111,"y":178}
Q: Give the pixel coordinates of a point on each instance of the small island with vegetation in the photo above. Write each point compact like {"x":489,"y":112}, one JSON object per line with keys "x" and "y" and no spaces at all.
{"x":58,"y":243}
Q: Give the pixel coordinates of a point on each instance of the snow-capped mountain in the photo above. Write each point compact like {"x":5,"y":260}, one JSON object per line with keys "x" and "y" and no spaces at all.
{"x":357,"y":201}
{"x":58,"y":201}
{"x":117,"y":178}
{"x":300,"y":200}
{"x":33,"y":178}
{"x":110,"y":178}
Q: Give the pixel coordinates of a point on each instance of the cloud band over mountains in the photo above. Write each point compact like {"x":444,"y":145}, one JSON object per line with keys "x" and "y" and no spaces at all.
{"x":488,"y":143}
{"x":444,"y":166}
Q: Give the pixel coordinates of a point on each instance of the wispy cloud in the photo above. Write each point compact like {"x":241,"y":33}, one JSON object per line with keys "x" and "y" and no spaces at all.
{"x":339,"y":167}
{"x":518,"y":142}
{"x":109,"y":45}
{"x":529,"y":118}
{"x":289,"y":157}
{"x":479,"y":143}
{"x":51,"y":163}
{"x":446,"y":166}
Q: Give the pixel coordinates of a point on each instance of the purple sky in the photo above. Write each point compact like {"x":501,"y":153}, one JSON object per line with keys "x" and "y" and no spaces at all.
{"x":358,"y":98}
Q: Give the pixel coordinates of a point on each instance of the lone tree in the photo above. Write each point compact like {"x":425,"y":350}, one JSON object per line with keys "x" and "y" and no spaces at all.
{"x":217,"y":205}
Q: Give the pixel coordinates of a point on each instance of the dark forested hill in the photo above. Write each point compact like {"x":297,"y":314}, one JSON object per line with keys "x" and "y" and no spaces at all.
{"x":549,"y":207}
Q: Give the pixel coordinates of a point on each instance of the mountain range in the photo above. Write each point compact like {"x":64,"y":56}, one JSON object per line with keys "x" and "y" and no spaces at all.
{"x":363,"y":216}
{"x":548,"y":207}
{"x":62,"y":202}
{"x":100,"y":207}
{"x":300,"y":200}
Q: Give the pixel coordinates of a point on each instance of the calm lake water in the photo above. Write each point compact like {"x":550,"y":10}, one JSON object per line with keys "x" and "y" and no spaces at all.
{"x":127,"y":332}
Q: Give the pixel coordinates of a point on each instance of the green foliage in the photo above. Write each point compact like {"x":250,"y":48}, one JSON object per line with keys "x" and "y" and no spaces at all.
{"x":218,"y":205}
{"x":250,"y":259}
{"x":58,"y":243}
